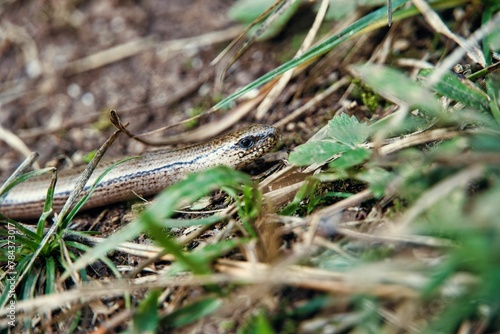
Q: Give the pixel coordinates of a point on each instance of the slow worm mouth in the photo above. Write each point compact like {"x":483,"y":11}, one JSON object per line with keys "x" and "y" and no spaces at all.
{"x":144,"y":175}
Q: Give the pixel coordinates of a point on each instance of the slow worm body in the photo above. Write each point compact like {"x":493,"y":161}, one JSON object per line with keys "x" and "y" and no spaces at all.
{"x":144,"y":175}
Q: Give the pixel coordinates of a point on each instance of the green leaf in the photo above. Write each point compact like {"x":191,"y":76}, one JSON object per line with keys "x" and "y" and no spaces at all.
{"x":410,"y":124}
{"x":307,"y":189}
{"x":493,"y":88}
{"x":257,"y":324}
{"x":351,"y":158}
{"x":191,"y":313}
{"x":347,"y":130}
{"x":459,"y":89}
{"x":191,"y":189}
{"x":50,"y":275}
{"x":396,"y":86}
{"x":315,"y":152}
{"x":145,"y":320}
{"x":378,"y":179}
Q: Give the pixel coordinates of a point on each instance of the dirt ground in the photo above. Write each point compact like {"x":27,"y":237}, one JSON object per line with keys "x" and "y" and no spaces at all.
{"x":41,"y":90}
{"x":56,"y":100}
{"x":64,"y":65}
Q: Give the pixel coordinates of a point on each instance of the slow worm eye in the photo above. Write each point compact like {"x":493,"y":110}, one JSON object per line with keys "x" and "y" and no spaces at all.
{"x":148,"y":175}
{"x":246,"y":142}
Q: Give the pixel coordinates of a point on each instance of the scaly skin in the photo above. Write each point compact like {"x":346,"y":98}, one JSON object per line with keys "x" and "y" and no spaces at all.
{"x":145,"y":175}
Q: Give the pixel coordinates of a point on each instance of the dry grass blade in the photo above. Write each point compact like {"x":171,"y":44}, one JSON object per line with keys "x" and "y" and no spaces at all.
{"x":58,"y":220}
{"x":326,"y":213}
{"x":437,"y":192}
{"x":269,"y":15}
{"x":16,"y":143}
{"x":419,"y":139}
{"x":458,"y":53}
{"x":111,"y":55}
{"x":358,"y":281}
{"x":167,"y":49}
{"x":246,"y":30}
{"x":313,"y":102}
{"x":471,"y":47}
{"x":400,"y":239}
{"x":20,"y":36}
{"x":96,"y":290}
{"x":285,"y":78}
{"x":132,"y":48}
{"x":386,"y":219}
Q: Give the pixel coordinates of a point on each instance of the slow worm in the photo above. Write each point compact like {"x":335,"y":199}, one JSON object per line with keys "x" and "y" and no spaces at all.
{"x":144,"y":175}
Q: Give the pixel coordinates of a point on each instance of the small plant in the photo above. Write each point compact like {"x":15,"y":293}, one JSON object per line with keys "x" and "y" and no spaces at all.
{"x":385,"y":220}
{"x":35,"y":257}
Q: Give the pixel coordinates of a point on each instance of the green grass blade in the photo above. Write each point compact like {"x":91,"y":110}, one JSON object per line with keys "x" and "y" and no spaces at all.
{"x":487,"y":15}
{"x":205,"y":256}
{"x":191,"y":313}
{"x":175,"y":223}
{"x":84,"y":199}
{"x":314,"y":52}
{"x":197,"y":264}
{"x":47,"y":206}
{"x":257,"y":324}
{"x":373,"y":20}
{"x":20,"y":227}
{"x":493,"y":89}
{"x":306,"y":190}
{"x":167,"y":243}
{"x":191,"y":189}
{"x":23,"y":178}
{"x":21,"y":266}
{"x":146,"y":319}
{"x":25,"y":242}
{"x":28,"y":287}
{"x":75,"y":323}
{"x":6,"y":293}
{"x":50,"y":275}
{"x":84,"y":248}
{"x":20,"y":170}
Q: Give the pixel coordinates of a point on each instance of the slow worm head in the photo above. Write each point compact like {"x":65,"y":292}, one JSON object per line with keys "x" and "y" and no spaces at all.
{"x":145,"y":175}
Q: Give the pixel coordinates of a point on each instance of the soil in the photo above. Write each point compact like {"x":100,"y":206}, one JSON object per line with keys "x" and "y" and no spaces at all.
{"x":60,"y":110}
{"x":58,"y":106}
